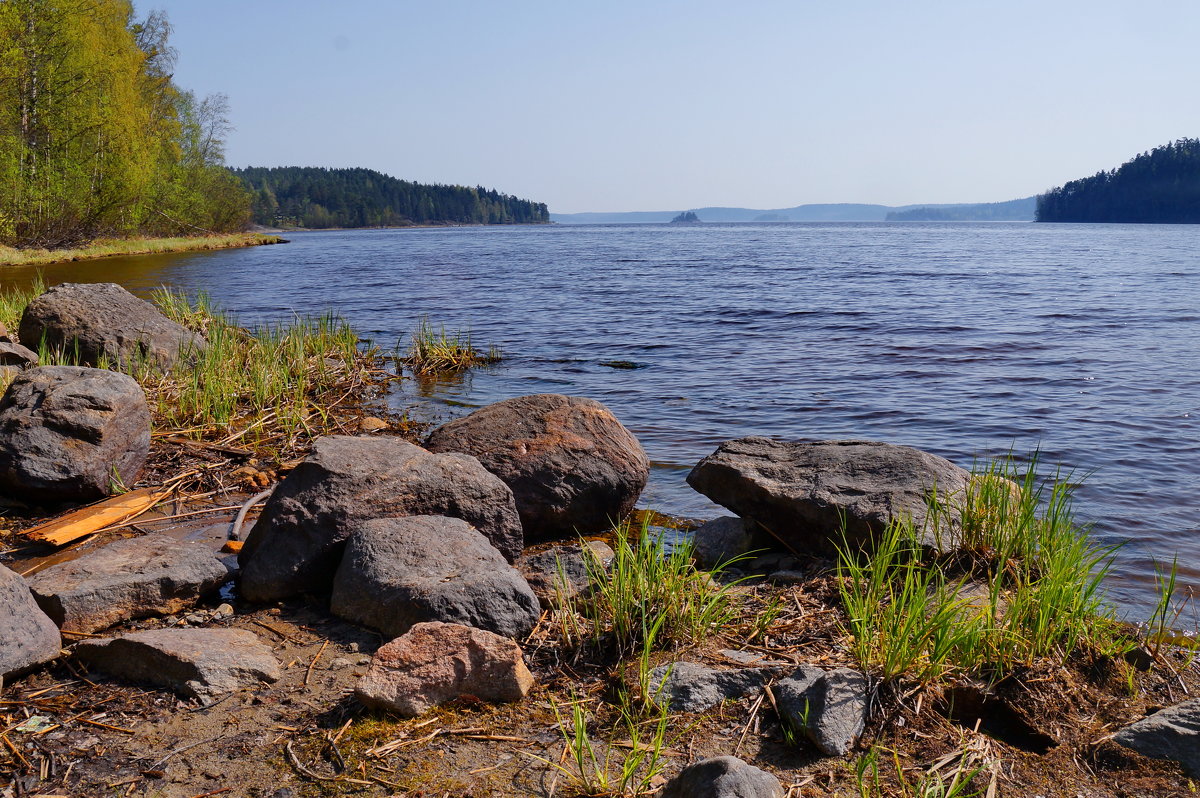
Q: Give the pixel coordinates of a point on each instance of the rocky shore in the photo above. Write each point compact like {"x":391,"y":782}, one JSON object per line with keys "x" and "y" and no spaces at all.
{"x":442,"y":616}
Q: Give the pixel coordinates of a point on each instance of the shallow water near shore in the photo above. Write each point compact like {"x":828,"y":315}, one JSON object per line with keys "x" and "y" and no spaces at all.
{"x":967,"y":340}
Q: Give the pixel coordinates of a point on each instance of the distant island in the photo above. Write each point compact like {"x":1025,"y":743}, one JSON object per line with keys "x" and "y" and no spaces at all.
{"x":1160,"y":186}
{"x":315,"y":197}
{"x":1020,"y":210}
{"x":687,"y":217}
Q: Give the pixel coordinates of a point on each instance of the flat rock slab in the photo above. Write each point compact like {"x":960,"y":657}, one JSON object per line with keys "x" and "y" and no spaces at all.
{"x":67,"y":433}
{"x":195,"y":663}
{"x":103,"y":321}
{"x":434,"y":663}
{"x":297,"y":543}
{"x":133,"y":578}
{"x":723,"y":777}
{"x":397,"y":572}
{"x":828,"y":707}
{"x":692,"y":687}
{"x":16,"y":355}
{"x":801,"y":492}
{"x":572,"y":467}
{"x":1172,"y":733}
{"x":28,"y":637}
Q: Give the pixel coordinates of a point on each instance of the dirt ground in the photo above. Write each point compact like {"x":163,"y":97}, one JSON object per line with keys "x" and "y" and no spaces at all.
{"x":69,"y":732}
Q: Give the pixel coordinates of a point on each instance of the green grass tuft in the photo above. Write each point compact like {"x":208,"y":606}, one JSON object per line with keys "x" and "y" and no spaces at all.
{"x":432,"y":351}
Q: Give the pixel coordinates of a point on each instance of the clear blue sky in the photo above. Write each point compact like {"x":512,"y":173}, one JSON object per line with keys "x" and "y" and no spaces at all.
{"x":614,"y":105}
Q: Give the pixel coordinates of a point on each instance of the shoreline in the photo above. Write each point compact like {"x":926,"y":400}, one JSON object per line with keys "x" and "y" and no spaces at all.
{"x":115,"y":247}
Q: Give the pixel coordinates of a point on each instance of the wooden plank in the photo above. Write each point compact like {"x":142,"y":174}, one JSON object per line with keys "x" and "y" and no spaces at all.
{"x":86,"y":520}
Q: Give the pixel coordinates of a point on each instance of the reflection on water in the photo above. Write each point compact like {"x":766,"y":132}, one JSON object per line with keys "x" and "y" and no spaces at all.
{"x":967,"y":340}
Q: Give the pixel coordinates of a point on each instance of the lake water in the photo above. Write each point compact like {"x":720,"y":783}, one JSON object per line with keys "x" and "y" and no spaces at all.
{"x":967,"y":340}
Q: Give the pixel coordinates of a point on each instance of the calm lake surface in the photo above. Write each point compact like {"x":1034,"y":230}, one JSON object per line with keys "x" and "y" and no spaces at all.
{"x":967,"y":340}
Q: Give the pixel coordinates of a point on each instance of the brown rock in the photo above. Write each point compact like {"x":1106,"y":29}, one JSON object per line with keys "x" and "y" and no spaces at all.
{"x":572,"y":467}
{"x":434,"y":663}
{"x":16,"y":355}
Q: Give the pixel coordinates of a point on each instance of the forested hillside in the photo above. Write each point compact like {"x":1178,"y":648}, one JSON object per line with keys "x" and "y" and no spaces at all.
{"x":95,"y":137}
{"x":317,"y":197}
{"x":1018,"y":210}
{"x":1162,"y":185}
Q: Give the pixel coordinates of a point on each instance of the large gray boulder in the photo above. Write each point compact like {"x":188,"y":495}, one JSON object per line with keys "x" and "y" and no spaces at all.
{"x":297,"y":543}
{"x":572,"y":467}
{"x":134,"y":578}
{"x":397,"y":572}
{"x":723,"y":777}
{"x":67,"y":433}
{"x":828,"y":707}
{"x":433,"y":663}
{"x":195,"y":663}
{"x":27,"y":637}
{"x":1172,"y":733}
{"x":103,"y":321}
{"x":692,"y":687}
{"x":801,"y":492}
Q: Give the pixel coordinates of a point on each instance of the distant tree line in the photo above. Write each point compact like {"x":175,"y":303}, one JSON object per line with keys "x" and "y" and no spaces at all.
{"x":95,"y":137}
{"x":316,"y":197}
{"x":1018,"y":210}
{"x":1162,"y":185}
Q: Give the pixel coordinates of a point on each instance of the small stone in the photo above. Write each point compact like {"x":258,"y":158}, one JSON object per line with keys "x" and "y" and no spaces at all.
{"x":723,"y":540}
{"x":555,"y":574}
{"x":692,"y":687}
{"x":723,"y":777}
{"x":372,"y":424}
{"x":223,"y":611}
{"x":435,"y":662}
{"x":16,"y":355}
{"x":196,"y":618}
{"x":829,"y":707}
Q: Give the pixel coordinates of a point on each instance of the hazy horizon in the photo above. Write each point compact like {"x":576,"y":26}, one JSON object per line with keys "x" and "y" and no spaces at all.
{"x":627,"y":107}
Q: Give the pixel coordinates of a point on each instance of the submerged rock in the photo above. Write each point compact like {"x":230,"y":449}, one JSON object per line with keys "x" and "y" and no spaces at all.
{"x":563,"y":572}
{"x":134,"y":578}
{"x":434,"y":663}
{"x":572,"y":467}
{"x":801,"y":492}
{"x":725,"y":539}
{"x":103,"y":321}
{"x":67,"y":433}
{"x":828,"y":707}
{"x":28,"y":637}
{"x":195,"y":663}
{"x":297,"y":544}
{"x":723,"y":777}
{"x":397,"y":572}
{"x":1172,"y":733}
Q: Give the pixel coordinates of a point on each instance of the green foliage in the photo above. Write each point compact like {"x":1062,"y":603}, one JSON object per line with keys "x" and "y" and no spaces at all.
{"x":939,"y":781}
{"x":648,"y":592}
{"x":1162,"y":186}
{"x":318,"y":197}
{"x":1036,"y":593}
{"x":431,"y":351}
{"x":94,"y":137}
